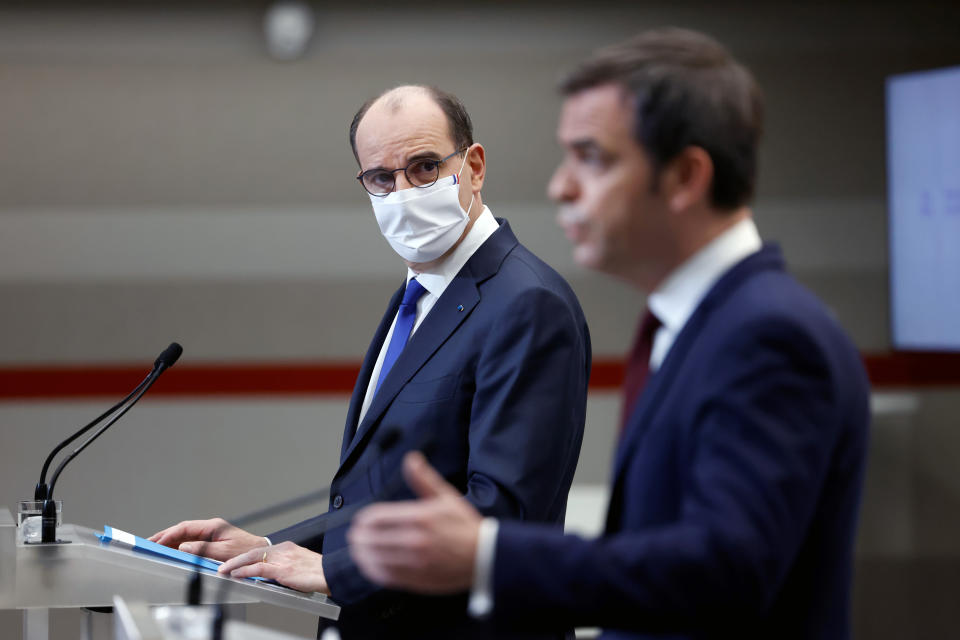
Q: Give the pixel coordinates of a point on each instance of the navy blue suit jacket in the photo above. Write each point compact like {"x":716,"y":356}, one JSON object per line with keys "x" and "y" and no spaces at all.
{"x":735,"y":489}
{"x":492,"y":386}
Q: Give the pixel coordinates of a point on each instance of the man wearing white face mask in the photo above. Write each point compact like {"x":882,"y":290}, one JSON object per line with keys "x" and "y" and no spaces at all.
{"x":420,"y":224}
{"x":481,"y":360}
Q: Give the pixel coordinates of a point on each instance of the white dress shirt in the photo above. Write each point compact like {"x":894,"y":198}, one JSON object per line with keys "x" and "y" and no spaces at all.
{"x":673,"y":302}
{"x":435,"y":281}
{"x":677,"y":297}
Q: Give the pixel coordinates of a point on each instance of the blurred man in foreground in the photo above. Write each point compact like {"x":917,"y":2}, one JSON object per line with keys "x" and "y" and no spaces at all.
{"x":738,"y":472}
{"x":482,"y":356}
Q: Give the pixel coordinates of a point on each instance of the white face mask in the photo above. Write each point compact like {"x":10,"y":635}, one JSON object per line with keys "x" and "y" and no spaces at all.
{"x":421,"y":224}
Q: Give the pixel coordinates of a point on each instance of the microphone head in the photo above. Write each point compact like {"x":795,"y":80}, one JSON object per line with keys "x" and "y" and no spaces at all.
{"x":168,"y":357}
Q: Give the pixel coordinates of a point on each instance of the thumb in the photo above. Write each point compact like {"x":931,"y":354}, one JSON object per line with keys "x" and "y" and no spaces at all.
{"x":191,"y":547}
{"x":423,"y":479}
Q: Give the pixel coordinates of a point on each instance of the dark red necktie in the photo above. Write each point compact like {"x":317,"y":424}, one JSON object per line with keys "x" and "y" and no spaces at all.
{"x":638,"y":366}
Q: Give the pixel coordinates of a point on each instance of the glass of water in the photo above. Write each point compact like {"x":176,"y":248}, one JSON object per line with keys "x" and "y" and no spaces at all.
{"x":30,"y":519}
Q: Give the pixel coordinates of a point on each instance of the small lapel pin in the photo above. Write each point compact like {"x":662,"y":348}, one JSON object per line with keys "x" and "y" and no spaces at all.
{"x":459,"y":307}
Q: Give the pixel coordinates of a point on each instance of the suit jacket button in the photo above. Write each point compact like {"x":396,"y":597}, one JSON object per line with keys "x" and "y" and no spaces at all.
{"x":337,"y":501}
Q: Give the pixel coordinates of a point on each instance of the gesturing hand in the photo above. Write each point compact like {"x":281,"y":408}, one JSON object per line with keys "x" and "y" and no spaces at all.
{"x":289,"y":564}
{"x":215,"y":538}
{"x":428,"y":545}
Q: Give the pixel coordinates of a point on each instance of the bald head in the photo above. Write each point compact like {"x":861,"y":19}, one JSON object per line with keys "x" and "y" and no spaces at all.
{"x":414,"y":99}
{"x":394,"y":99}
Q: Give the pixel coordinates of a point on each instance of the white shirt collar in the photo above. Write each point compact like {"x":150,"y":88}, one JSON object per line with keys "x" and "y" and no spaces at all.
{"x":675,"y":300}
{"x":436,"y":280}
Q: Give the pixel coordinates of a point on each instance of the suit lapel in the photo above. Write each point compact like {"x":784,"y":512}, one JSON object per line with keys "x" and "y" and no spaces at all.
{"x":656,"y":385}
{"x":363,"y":379}
{"x":436,"y":328}
{"x":769,"y":257}
{"x":448,"y":313}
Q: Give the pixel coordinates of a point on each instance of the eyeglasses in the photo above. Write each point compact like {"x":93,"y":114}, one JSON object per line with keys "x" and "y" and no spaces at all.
{"x":422,"y":173}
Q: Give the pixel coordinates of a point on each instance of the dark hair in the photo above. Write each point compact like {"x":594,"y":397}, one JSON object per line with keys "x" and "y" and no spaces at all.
{"x":461,"y":127}
{"x":688,"y":91}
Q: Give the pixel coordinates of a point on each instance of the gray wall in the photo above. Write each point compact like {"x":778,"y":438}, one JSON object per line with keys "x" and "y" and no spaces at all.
{"x":161,"y":178}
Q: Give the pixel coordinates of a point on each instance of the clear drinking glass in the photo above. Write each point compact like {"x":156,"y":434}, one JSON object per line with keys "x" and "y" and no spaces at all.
{"x":30,"y":519}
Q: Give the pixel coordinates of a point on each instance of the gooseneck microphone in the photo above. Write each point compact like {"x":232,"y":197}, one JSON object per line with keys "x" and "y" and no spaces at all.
{"x":45,"y":492}
{"x":167,"y":357}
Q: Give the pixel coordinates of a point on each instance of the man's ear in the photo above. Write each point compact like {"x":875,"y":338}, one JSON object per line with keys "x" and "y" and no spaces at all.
{"x":477,"y":159}
{"x":686,"y":180}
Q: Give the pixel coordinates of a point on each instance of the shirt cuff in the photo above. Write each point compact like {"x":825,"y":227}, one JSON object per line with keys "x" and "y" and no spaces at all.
{"x":269,"y":544}
{"x":481,"y":595}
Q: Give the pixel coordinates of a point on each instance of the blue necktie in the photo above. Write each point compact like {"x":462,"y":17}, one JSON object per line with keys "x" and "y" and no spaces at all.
{"x":401,"y":330}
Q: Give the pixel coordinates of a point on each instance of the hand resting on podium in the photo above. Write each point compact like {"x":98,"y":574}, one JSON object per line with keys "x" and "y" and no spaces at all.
{"x":245,"y":555}
{"x":289,"y":564}
{"x":214,"y":538}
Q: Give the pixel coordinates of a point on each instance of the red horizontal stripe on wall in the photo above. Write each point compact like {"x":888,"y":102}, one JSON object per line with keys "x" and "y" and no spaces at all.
{"x":890,"y":370}
{"x":913,"y":369}
{"x":246,"y":379}
{"x":886,"y":370}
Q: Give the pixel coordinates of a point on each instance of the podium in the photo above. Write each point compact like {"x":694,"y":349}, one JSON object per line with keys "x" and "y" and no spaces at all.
{"x":85,"y":572}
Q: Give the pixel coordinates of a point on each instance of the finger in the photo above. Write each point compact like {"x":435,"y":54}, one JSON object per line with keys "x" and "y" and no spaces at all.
{"x":389,"y":570}
{"x":380,"y":570}
{"x":372,"y":562}
{"x":393,"y":559}
{"x":379,"y":575}
{"x":165,"y":532}
{"x":195,"y":547}
{"x":186,"y":531}
{"x":424,"y":479}
{"x":408,"y":540}
{"x":167,"y":536}
{"x":215,"y":550}
{"x":255,"y":570}
{"x":171,"y":539}
{"x":250,"y":557}
{"x":157,"y":535}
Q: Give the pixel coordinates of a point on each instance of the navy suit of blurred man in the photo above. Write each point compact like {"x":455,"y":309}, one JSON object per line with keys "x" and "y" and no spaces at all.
{"x":482,"y":357}
{"x":738,"y":473}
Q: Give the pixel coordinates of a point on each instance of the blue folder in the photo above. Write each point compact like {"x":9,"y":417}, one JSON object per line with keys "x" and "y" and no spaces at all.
{"x":142,"y":545}
{"x":145,"y":546}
